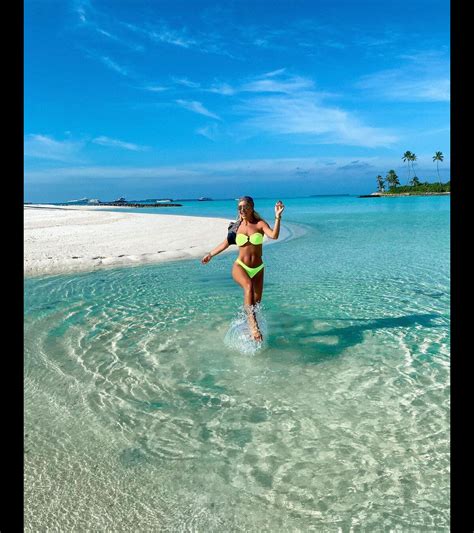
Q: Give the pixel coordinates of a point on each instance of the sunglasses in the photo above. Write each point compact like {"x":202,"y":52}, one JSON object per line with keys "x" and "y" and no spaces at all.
{"x":244,"y":207}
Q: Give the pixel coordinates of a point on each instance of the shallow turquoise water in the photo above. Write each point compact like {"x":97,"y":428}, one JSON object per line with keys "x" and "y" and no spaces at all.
{"x":139,"y":417}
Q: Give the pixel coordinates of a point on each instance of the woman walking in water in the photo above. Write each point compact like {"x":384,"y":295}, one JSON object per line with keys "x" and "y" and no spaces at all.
{"x":247,"y":233}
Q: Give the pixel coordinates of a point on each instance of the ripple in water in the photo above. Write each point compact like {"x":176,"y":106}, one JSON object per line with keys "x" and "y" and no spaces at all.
{"x":139,"y":417}
{"x":239,"y":337}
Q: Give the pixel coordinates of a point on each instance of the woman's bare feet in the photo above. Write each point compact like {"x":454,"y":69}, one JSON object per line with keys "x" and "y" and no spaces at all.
{"x":253,"y":325}
{"x":257,"y":335}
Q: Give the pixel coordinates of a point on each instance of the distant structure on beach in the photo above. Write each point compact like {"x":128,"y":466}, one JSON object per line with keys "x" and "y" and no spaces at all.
{"x":80,"y":201}
{"x":83,"y":201}
{"x":122,"y":202}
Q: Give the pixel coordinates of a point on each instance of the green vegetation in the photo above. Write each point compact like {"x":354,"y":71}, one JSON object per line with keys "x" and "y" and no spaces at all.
{"x":380,"y":184}
{"x":421,"y":188}
{"x":392,"y":179}
{"x":414,"y":185}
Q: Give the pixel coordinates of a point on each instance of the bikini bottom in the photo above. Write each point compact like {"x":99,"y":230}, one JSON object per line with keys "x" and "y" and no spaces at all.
{"x":250,"y":271}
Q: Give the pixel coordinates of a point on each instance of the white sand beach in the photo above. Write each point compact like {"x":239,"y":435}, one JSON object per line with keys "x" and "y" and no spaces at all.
{"x":60,"y":240}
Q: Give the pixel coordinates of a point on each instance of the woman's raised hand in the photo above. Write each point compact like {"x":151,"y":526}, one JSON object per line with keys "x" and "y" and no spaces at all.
{"x":279,"y":208}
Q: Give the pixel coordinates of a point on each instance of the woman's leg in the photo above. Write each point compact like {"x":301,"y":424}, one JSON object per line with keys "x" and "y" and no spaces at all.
{"x":257,"y":286}
{"x":242,"y":278}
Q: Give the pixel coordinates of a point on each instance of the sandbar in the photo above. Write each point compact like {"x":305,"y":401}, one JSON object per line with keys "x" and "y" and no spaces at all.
{"x":64,"y":240}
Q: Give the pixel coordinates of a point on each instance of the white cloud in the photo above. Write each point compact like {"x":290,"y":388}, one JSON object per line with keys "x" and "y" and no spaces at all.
{"x":274,"y":73}
{"x":121,"y":41}
{"x":286,"y":104}
{"x":197,"y":107}
{"x":304,"y":114}
{"x":211,"y":131}
{"x":90,"y":17}
{"x":400,"y":86}
{"x":113,"y":65}
{"x":186,"y":83}
{"x":106,"y":33}
{"x":81,"y":7}
{"x":99,"y":172}
{"x":277,"y":169}
{"x":262,"y":84}
{"x":45,"y":147}
{"x":161,"y":32}
{"x":175,"y":37}
{"x":384,"y":39}
{"x":115,"y":143}
{"x":155,"y":88}
{"x":223,"y":88}
{"x":423,"y":77}
{"x":82,"y":14}
{"x":109,"y":63}
{"x":289,"y":85}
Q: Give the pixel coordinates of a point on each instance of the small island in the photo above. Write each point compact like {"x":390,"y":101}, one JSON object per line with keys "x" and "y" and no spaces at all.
{"x":390,"y":186}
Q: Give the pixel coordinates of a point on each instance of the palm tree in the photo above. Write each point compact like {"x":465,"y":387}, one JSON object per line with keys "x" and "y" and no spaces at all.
{"x":438,"y":157}
{"x":392,"y":178}
{"x":415,"y":181}
{"x":406,"y":159}
{"x":380,"y":185}
{"x":413,"y":159}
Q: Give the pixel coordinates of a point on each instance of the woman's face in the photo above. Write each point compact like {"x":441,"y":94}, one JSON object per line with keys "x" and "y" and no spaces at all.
{"x":245,"y":208}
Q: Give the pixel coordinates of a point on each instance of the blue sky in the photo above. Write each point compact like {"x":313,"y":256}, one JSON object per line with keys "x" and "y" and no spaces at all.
{"x":181,"y":99}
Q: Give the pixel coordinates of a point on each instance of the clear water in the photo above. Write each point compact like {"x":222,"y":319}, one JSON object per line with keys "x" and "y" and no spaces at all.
{"x":139,"y":416}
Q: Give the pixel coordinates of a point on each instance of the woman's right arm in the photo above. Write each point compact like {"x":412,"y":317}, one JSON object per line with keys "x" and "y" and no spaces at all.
{"x":217,"y":250}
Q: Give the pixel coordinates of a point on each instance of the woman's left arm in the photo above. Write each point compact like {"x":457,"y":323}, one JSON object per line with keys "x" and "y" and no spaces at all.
{"x":275,"y":232}
{"x":269,"y":232}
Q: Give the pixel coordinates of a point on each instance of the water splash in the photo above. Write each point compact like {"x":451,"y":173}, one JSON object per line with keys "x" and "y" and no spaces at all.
{"x":239,"y":336}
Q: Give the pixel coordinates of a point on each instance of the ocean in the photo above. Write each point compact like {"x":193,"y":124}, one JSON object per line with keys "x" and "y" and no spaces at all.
{"x":140,"y":417}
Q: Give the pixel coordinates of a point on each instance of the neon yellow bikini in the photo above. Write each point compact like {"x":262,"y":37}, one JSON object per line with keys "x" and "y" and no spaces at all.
{"x":240,"y":240}
{"x":255,"y":238}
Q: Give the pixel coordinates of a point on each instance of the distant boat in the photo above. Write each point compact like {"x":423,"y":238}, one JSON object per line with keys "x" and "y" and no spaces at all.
{"x":204,"y":199}
{"x":163,"y":201}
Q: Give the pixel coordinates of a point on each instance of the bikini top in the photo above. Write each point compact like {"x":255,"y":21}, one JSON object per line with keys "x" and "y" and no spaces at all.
{"x":255,"y":238}
{"x":240,"y":238}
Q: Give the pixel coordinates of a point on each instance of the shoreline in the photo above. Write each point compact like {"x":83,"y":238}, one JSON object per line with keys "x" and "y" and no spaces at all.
{"x":391,"y":195}
{"x":416,"y":194}
{"x":78,"y":239}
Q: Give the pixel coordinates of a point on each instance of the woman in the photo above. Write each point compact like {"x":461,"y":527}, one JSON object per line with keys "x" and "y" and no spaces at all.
{"x":247,"y":233}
